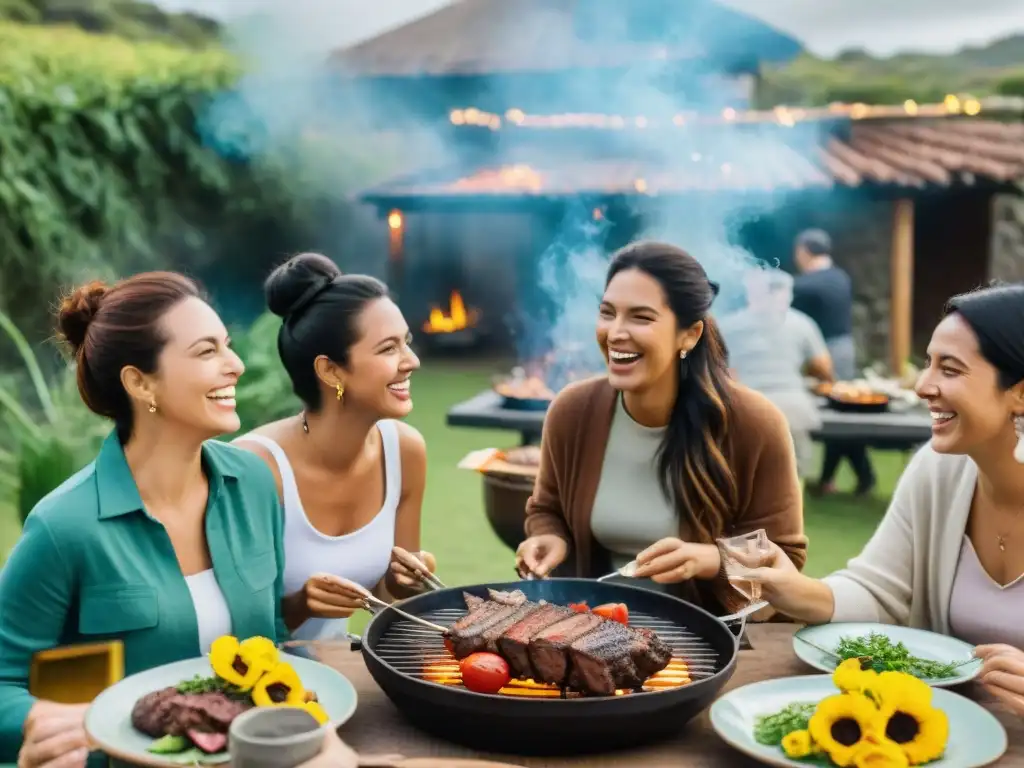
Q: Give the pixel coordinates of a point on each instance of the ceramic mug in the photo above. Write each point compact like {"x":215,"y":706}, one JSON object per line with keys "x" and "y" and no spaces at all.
{"x":274,"y":737}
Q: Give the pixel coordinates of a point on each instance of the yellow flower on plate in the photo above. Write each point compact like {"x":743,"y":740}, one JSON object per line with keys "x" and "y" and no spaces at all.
{"x":237,"y":663}
{"x":842,"y":724}
{"x":880,"y":754}
{"x":900,"y":686}
{"x":851,"y":677}
{"x":280,"y":687}
{"x":797,"y":744}
{"x":315,"y":709}
{"x":261,"y":648}
{"x":911,"y":722}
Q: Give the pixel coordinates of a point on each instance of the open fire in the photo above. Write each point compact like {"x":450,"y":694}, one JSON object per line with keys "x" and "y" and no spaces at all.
{"x":456,"y":318}
{"x":446,"y":672}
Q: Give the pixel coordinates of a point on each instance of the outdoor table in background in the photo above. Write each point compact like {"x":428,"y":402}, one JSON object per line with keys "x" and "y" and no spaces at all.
{"x":378,"y":728}
{"x":893,"y":430}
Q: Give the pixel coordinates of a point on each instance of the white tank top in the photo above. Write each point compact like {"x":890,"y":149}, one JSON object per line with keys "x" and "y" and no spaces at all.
{"x":212,"y":614}
{"x":361,"y":556}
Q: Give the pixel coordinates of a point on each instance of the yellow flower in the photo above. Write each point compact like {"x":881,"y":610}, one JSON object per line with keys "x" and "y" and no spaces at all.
{"x":280,"y":687}
{"x":237,"y":663}
{"x":262,"y":648}
{"x":851,"y":677}
{"x":841,"y":724}
{"x":315,"y":709}
{"x":797,"y":744}
{"x":910,"y":721}
{"x":880,"y":753}
{"x":899,"y":686}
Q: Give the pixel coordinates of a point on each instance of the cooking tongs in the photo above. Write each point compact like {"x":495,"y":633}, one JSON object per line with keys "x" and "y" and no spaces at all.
{"x":418,"y":567}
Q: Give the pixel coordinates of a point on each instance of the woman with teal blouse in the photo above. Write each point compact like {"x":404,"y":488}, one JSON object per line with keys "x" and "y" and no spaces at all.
{"x":168,"y":539}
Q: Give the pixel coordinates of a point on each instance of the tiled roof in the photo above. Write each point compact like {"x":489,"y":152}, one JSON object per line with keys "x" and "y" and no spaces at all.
{"x":902,"y":154}
{"x":471,"y":37}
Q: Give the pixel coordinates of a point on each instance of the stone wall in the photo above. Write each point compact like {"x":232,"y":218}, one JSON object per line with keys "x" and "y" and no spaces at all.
{"x":1006,"y":255}
{"x":861,"y":243}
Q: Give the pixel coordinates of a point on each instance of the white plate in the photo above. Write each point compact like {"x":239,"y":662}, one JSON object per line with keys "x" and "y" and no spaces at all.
{"x":976,"y":737}
{"x":926,"y":645}
{"x":108,"y":722}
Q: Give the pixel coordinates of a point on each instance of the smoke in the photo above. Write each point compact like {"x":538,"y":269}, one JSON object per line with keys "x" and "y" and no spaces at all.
{"x":343,"y":138}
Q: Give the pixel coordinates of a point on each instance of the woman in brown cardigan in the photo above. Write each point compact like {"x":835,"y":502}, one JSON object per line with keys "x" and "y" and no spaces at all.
{"x":665,"y":454}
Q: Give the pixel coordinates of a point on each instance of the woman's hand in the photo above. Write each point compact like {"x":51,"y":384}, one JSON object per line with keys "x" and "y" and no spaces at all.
{"x":1002,"y":674}
{"x":54,"y":736}
{"x":328,"y":597}
{"x":539,"y":555}
{"x":404,"y":576}
{"x":672,"y":560}
{"x":789,"y":591}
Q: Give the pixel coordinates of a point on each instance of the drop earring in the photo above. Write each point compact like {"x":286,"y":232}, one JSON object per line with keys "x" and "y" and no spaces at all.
{"x":1018,"y":450}
{"x":682,"y":354}
{"x":152,"y":407}
{"x":341,"y":391}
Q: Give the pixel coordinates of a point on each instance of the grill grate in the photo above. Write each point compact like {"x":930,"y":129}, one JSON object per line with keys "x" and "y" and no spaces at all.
{"x":414,"y":650}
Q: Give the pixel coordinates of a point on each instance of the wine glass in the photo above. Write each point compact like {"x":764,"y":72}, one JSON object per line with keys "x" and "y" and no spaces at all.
{"x":741,"y":554}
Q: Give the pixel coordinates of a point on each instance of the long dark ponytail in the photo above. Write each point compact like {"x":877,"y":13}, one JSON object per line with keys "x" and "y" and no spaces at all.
{"x":695,"y":474}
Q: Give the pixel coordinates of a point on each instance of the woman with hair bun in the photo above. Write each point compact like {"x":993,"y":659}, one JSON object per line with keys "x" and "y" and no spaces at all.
{"x":949,"y":554}
{"x":349,"y":474}
{"x":168,"y":539}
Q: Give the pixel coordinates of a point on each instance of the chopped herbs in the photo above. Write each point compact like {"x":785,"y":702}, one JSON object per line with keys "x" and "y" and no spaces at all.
{"x":881,"y":654}
{"x":770,"y":730}
{"x":212,"y":684}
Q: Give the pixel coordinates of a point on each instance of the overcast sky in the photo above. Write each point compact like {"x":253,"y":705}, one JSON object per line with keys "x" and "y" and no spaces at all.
{"x":824,"y":26}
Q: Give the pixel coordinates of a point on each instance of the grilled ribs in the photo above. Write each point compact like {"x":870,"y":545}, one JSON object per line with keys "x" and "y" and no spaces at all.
{"x":553,"y":644}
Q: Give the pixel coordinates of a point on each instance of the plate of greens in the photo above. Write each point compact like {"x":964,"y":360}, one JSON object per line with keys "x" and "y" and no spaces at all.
{"x":857,"y":718}
{"x":939,"y":660}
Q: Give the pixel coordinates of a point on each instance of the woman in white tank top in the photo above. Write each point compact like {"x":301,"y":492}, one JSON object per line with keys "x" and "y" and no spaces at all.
{"x":350,"y":476}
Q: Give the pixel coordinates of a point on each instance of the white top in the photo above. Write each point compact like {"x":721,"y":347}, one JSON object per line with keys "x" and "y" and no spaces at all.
{"x":630,"y":509}
{"x":362,"y":556}
{"x":982,"y":611}
{"x":212,"y":612}
{"x":905,"y":573}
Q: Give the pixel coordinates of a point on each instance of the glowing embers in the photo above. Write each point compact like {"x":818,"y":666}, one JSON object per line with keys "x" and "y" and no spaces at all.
{"x":446,"y":672}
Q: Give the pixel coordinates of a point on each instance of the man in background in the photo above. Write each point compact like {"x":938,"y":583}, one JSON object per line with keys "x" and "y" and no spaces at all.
{"x":771,"y":347}
{"x":824,"y":292}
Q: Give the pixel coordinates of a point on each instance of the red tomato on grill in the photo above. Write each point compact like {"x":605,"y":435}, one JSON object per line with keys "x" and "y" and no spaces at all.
{"x":484,"y":672}
{"x":614,"y":611}
{"x":580,"y":607}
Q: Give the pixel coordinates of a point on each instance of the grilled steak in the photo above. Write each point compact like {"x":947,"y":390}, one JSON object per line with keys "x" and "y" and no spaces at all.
{"x":166,"y":712}
{"x":514,"y":645}
{"x":549,"y":648}
{"x":554,"y":644}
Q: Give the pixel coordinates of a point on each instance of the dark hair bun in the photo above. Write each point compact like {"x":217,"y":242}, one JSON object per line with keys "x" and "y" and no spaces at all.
{"x":77,"y":310}
{"x":295,"y":282}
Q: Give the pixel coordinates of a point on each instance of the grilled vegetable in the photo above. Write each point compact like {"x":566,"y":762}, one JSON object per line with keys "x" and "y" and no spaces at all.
{"x":280,"y":687}
{"x":484,"y":672}
{"x":614,"y":611}
{"x":169,"y":745}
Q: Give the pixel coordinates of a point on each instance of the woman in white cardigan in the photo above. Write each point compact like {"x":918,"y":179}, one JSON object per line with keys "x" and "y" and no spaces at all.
{"x":949,"y":554}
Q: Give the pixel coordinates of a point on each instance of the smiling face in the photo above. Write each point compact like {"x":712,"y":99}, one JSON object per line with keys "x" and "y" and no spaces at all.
{"x":194,"y":383}
{"x":381,"y":362}
{"x":638,"y":333}
{"x":971,"y":413}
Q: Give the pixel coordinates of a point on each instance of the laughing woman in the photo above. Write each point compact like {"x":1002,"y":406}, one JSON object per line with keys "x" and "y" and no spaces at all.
{"x":665,"y":454}
{"x":350,"y":476}
{"x":168,"y":539}
{"x":948,"y":555}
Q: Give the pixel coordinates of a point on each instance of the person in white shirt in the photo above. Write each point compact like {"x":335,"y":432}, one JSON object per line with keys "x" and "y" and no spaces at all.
{"x":949,"y":554}
{"x":350,"y":475}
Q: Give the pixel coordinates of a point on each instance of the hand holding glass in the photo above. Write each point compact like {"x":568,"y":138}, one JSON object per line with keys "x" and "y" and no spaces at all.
{"x":741,"y":554}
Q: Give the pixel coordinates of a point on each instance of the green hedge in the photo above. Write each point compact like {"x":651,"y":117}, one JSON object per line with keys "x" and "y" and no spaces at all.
{"x":100,"y":167}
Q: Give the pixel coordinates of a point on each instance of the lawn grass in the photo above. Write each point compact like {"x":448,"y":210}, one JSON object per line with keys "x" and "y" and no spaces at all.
{"x":456,"y":530}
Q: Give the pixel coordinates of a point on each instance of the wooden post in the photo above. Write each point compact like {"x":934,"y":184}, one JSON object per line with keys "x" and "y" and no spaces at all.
{"x":396,"y":255}
{"x":901,"y":286}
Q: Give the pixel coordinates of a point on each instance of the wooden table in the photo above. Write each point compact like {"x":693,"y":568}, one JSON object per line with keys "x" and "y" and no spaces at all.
{"x":378,"y":728}
{"x":899,"y":430}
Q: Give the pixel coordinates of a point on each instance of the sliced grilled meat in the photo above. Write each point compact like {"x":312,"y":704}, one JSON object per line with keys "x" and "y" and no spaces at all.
{"x":469,"y":638}
{"x":549,"y":649}
{"x":650,"y":653}
{"x":601,"y":662}
{"x":514,"y":645}
{"x":493,"y":634}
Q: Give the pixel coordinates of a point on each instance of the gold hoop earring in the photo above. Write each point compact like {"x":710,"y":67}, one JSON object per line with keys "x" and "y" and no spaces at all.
{"x":341,"y":391}
{"x":152,"y":407}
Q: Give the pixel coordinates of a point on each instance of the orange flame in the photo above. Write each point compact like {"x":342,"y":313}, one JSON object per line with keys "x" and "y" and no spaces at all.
{"x":456,"y":318}
{"x":446,"y":672}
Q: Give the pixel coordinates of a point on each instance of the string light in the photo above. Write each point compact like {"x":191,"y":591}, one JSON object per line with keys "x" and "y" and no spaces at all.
{"x":779,"y":115}
{"x":395,"y":220}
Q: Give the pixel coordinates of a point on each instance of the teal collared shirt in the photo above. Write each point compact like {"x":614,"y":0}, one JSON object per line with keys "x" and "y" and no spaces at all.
{"x":92,"y":565}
